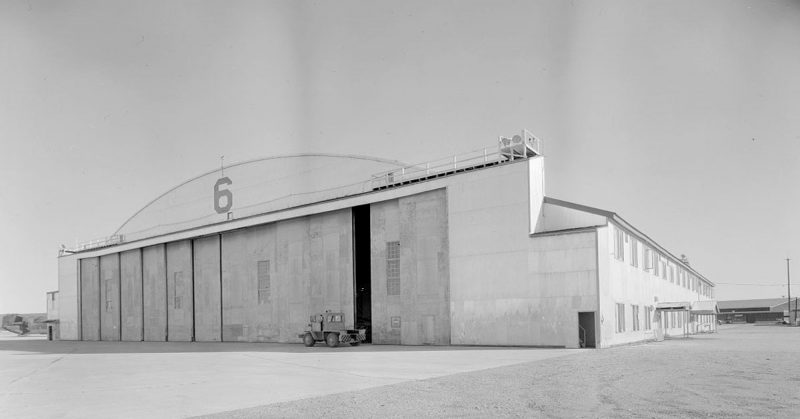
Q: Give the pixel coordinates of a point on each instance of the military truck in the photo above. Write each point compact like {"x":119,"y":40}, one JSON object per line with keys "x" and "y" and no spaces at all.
{"x":329,"y":327}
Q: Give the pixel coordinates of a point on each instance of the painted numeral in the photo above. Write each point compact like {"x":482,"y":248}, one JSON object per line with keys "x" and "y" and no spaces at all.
{"x":222,"y":193}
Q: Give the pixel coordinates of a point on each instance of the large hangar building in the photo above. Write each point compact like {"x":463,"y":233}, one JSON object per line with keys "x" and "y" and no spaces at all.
{"x":466,"y":250}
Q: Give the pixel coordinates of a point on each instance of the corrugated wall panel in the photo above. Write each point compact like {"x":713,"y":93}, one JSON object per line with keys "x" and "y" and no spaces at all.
{"x":207,"y":303}
{"x":155,"y":293}
{"x":244,"y":318}
{"x":109,"y":297}
{"x":131,"y":284}
{"x":275,"y":276}
{"x":414,"y":309}
{"x":90,"y":298}
{"x":180,"y":292}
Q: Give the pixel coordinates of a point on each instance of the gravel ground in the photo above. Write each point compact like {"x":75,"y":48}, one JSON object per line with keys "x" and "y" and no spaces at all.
{"x":741,"y":371}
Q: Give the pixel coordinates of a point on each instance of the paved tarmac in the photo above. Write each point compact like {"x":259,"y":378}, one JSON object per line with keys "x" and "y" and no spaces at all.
{"x":41,"y":379}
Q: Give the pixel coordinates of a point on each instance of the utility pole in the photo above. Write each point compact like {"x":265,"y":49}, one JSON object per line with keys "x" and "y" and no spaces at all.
{"x":788,"y":290}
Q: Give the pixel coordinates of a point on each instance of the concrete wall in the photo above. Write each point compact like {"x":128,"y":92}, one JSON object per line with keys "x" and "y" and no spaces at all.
{"x":131,"y":290}
{"x":562,"y":281}
{"x":420,"y":313}
{"x":154,"y":277}
{"x":180,"y":292}
{"x":207,"y":303}
{"x":109,"y":297}
{"x":90,"y":298}
{"x":309,"y":264}
{"x":68,"y":298}
{"x":490,"y":217}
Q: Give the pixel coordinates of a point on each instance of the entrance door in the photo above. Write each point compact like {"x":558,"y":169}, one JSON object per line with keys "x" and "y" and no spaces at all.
{"x":586,"y":333}
{"x":362,"y":283}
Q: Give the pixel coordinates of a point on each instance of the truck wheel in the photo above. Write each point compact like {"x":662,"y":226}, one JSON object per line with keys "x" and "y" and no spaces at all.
{"x":308,"y":340}
{"x":332,"y":339}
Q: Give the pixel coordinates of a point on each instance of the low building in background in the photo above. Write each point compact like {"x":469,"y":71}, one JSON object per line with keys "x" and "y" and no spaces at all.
{"x":751,"y":311}
{"x":466,"y":250}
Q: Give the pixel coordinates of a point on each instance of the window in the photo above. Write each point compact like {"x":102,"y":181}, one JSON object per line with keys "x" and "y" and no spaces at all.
{"x":635,"y":317}
{"x":619,"y":244}
{"x":264,"y":290}
{"x":620,"y":318}
{"x":671,"y":273}
{"x":634,"y":252}
{"x":648,"y":313}
{"x":656,"y":263}
{"x":393,"y":268}
{"x":648,"y":258}
{"x":109,"y":296}
{"x":663,"y":267}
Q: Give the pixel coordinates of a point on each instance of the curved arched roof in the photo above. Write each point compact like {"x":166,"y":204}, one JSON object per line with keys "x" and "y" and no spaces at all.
{"x":256,"y":186}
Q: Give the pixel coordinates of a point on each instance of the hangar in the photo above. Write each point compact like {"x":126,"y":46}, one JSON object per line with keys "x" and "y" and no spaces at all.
{"x":466,"y":250}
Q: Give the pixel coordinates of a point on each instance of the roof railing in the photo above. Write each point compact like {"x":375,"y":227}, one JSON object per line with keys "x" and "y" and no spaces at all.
{"x":437,"y":168}
{"x":95,"y":244}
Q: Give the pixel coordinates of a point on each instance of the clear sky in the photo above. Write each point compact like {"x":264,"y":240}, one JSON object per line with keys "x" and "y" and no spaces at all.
{"x":681,"y":116}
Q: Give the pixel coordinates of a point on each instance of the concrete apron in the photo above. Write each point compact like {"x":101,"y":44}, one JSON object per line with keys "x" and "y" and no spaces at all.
{"x":154,"y":379}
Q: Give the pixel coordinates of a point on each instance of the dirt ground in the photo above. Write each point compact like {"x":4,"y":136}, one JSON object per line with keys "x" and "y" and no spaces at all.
{"x":741,"y":371}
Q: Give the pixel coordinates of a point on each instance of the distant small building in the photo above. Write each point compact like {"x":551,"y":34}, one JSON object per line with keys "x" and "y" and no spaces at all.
{"x":52,"y":316}
{"x":751,"y":311}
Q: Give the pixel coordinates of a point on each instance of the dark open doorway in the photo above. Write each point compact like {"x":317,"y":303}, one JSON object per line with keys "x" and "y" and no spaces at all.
{"x":362,"y":269}
{"x":586,"y":329}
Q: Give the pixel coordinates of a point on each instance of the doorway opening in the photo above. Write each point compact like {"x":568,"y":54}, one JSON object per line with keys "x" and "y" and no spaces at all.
{"x":362,"y":270}
{"x":586,"y":329}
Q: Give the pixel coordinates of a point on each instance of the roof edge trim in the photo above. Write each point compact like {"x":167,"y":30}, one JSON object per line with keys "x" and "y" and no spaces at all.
{"x":621,"y":221}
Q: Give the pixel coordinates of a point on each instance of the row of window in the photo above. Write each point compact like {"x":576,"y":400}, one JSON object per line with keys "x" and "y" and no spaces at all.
{"x":672,"y":319}
{"x":626,"y":248}
{"x":622,"y":325}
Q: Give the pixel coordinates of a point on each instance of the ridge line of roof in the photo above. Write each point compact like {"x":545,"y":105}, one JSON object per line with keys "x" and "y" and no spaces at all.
{"x":616,"y":218}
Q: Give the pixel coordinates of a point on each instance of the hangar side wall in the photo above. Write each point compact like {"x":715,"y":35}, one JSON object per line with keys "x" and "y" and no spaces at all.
{"x":109,"y":297}
{"x":131,"y":290}
{"x":414,"y":308}
{"x":275,"y":276}
{"x":68,"y":298}
{"x":508,"y":288}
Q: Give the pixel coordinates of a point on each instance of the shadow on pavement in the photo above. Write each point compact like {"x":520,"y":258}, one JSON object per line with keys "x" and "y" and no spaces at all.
{"x":30,"y":346}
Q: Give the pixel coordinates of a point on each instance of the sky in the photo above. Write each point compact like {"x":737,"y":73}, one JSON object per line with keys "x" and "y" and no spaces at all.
{"x":683,"y":117}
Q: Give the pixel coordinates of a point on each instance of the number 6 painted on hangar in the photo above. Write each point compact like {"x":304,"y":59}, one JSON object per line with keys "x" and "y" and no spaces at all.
{"x":223,"y":193}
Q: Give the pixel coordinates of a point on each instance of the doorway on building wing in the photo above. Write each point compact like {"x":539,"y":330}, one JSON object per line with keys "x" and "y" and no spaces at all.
{"x":586,"y":333}
{"x":362,"y":270}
